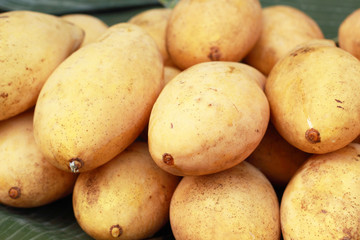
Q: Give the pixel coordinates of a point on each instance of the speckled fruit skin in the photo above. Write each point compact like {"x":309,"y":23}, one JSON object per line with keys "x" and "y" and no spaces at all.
{"x":154,"y":22}
{"x":127,"y":198}
{"x":212,"y":30}
{"x":277,"y":158}
{"x":208,"y":118}
{"x":98,"y":100}
{"x":32,"y":45}
{"x":170,"y":72}
{"x":314,"y":96}
{"x":92,"y":26}
{"x":27,"y":179}
{"x":322,"y":199}
{"x":283,"y":28}
{"x":238,"y":203}
{"x":349,"y":33}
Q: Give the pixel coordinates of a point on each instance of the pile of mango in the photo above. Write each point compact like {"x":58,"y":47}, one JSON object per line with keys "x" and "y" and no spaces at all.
{"x":194,"y":115}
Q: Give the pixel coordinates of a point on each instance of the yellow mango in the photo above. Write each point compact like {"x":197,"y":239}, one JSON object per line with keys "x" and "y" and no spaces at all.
{"x":99,"y":100}
{"x":27,"y":179}
{"x":208,"y":118}
{"x":32,"y":45}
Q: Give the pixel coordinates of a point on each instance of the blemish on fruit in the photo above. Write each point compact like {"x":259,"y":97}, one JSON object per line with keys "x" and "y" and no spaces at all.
{"x":92,"y":189}
{"x":14,"y":192}
{"x":323,"y":211}
{"x":168,"y":159}
{"x":171,"y":125}
{"x":236,"y":108}
{"x":214,"y":54}
{"x":4,"y":95}
{"x":231,"y":69}
{"x":345,"y":238}
{"x":349,"y":234}
{"x":312,"y":135}
{"x":301,"y":51}
{"x":116,"y":231}
{"x":337,"y":100}
{"x":75,"y":164}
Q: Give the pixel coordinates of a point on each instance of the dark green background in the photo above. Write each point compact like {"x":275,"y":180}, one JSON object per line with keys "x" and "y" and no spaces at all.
{"x":56,"y":221}
{"x":327,"y":13}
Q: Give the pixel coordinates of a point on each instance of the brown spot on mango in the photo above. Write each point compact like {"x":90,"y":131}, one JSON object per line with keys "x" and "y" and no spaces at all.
{"x":302,"y":50}
{"x":231,"y":69}
{"x":345,"y":238}
{"x":339,"y":101}
{"x":214,"y":54}
{"x":92,"y":189}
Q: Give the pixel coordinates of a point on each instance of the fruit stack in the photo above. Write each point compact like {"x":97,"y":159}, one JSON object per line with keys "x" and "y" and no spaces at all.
{"x":223,"y":118}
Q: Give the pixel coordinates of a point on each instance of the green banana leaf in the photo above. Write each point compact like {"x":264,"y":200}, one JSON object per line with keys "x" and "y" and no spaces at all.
{"x":53,"y":221}
{"x":66,"y":6}
{"x":56,"y":221}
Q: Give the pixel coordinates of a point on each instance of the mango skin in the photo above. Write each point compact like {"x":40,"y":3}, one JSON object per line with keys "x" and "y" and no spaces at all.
{"x":169,"y":73}
{"x":283,"y":28}
{"x":27,"y":179}
{"x":154,"y":22}
{"x":314,"y":96}
{"x":349,"y":34}
{"x":322,"y":199}
{"x":32,"y":45}
{"x":208,"y":118}
{"x":98,"y":101}
{"x":212,"y":30}
{"x":129,"y":193}
{"x":277,"y":158}
{"x":91,"y":25}
{"x":357,"y":140}
{"x":238,"y":203}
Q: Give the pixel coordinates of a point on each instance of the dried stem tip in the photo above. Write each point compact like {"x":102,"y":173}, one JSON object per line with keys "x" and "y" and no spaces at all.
{"x":14,"y":192}
{"x":168,"y":159}
{"x":312,"y":135}
{"x":116,"y":231}
{"x":75,"y":164}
